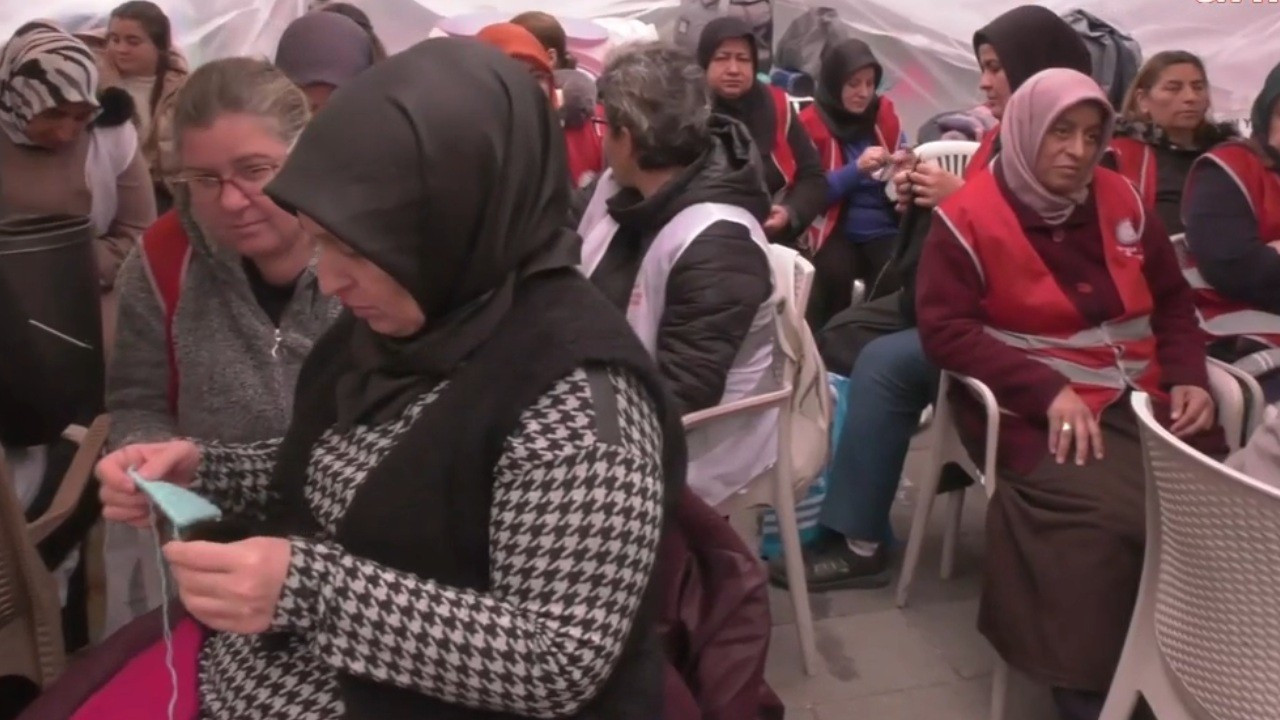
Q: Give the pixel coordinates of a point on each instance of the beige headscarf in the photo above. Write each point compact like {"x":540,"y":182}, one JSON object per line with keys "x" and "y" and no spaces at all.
{"x":1031,"y":111}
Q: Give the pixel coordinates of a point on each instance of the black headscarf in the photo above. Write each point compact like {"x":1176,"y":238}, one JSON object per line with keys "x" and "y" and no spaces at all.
{"x":755,"y":108}
{"x":1031,"y":38}
{"x":444,"y":167}
{"x":1260,"y":117}
{"x":839,"y":63}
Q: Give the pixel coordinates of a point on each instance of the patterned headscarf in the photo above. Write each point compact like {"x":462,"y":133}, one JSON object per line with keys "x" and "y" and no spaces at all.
{"x":42,"y":67}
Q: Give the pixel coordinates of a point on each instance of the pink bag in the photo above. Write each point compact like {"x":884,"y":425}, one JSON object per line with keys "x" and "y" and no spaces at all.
{"x":125,"y":677}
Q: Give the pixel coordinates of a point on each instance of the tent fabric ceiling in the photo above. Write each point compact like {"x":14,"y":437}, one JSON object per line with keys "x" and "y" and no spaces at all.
{"x":923,"y":44}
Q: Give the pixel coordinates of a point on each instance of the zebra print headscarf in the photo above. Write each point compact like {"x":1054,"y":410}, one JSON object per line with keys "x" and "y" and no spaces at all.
{"x":42,"y":67}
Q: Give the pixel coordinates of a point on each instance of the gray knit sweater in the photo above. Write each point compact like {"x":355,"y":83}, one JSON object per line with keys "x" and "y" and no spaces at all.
{"x":237,"y":370}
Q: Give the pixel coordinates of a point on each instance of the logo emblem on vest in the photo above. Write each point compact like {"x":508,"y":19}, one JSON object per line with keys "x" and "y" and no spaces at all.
{"x":1128,"y":240}
{"x":1126,"y":235}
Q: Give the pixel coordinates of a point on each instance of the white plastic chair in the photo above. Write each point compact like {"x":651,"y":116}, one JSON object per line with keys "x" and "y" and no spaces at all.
{"x":1260,"y":363}
{"x":946,"y":447}
{"x":1252,"y":369}
{"x":776,"y":488}
{"x":1205,"y":635}
{"x":1181,"y":249}
{"x":31,"y":642}
{"x":952,"y":155}
{"x":1240,"y":402}
{"x":773,"y":489}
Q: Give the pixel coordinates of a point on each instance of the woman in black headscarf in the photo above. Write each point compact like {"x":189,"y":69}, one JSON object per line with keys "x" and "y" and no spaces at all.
{"x":462,"y":518}
{"x":856,"y":131}
{"x":729,"y":51}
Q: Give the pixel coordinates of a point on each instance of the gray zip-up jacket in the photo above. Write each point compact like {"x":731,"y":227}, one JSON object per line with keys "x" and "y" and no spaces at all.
{"x":236,"y":370}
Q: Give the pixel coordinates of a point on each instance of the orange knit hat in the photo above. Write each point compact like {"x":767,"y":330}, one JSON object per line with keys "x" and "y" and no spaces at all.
{"x":522,"y":45}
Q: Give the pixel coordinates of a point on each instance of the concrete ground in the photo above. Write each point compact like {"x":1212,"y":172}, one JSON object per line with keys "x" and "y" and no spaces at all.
{"x":924,"y":662}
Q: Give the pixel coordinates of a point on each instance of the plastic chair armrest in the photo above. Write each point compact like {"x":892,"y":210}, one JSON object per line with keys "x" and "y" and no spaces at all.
{"x":76,"y":479}
{"x":758,"y":403}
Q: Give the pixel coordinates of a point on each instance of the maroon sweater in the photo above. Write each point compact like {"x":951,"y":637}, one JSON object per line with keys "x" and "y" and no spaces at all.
{"x":951,"y":321}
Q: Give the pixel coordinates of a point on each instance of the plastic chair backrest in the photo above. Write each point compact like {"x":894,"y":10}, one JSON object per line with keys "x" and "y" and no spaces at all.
{"x":1182,"y":249}
{"x":1254,"y":400}
{"x":991,"y":408}
{"x":1232,"y":407}
{"x":1212,"y":548}
{"x":952,"y":155}
{"x":30,"y":611}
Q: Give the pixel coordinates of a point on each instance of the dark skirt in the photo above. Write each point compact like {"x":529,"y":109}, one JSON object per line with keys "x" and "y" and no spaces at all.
{"x":1063,"y":561}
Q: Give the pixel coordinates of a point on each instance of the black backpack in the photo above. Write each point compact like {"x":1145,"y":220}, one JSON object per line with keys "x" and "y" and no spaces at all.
{"x":801,"y":45}
{"x":1116,"y":56}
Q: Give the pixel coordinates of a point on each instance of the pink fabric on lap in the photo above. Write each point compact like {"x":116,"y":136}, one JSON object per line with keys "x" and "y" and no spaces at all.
{"x":142,"y":688}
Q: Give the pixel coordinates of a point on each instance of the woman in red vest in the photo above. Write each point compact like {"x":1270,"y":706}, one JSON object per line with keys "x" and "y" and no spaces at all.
{"x":1047,"y":280}
{"x":729,"y":52}
{"x":1232,"y":210}
{"x":889,"y":375}
{"x":1163,"y":128}
{"x":1009,"y":50}
{"x":856,"y":131}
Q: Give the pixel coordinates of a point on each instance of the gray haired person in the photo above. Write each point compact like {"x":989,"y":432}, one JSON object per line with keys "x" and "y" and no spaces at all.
{"x":672,"y":236}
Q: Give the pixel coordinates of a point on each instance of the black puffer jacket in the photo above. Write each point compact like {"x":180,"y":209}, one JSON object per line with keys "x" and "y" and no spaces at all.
{"x":720,"y":280}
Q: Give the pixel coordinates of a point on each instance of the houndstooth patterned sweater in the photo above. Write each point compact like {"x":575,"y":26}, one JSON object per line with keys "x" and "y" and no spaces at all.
{"x":573,"y":536}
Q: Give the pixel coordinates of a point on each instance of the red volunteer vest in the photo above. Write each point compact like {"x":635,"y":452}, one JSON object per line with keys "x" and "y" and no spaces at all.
{"x":165,"y":253}
{"x":781,"y":154}
{"x":1136,"y":161}
{"x":1220,"y":316}
{"x":888,"y":135}
{"x":1026,"y":308}
{"x":584,"y":149}
{"x":983,"y":155}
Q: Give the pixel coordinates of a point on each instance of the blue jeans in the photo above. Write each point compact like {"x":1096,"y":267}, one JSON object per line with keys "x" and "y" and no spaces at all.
{"x":891,"y":384}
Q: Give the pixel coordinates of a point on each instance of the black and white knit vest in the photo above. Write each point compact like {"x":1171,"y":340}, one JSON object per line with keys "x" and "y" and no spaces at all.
{"x":425,"y":507}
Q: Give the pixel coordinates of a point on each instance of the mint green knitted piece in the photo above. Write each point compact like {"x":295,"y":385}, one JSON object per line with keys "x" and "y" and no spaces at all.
{"x":183,"y":507}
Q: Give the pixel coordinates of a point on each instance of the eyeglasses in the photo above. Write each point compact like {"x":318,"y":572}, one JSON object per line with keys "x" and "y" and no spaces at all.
{"x":249,"y":180}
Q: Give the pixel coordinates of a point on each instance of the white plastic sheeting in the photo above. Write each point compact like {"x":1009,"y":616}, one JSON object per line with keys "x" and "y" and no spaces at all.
{"x":923,"y":44}
{"x":927,"y":46}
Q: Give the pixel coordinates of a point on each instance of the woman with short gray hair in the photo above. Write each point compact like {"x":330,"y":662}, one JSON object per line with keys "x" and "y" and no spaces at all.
{"x":218,"y":307}
{"x":659,"y":96}
{"x":686,"y":185}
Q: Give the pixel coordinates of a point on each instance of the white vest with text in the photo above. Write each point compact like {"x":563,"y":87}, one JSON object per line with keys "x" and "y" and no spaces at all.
{"x":725,"y":455}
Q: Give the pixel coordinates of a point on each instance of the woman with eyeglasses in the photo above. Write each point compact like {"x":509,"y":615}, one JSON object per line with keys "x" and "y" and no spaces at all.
{"x":219,"y":306}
